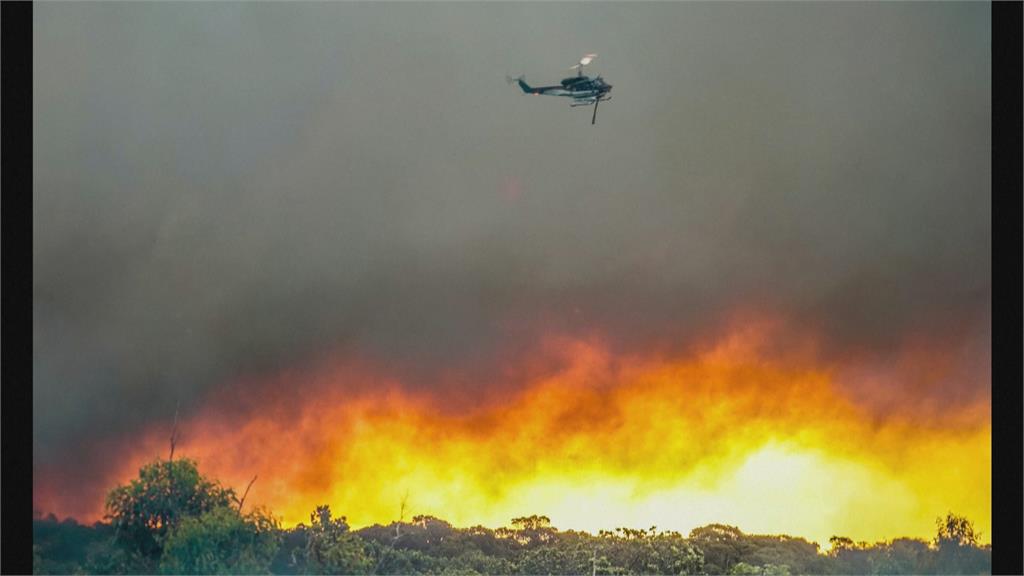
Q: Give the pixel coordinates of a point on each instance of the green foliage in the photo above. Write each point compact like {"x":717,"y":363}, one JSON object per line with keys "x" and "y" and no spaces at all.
{"x":221,"y":541}
{"x":60,"y":547}
{"x":785,"y":553}
{"x":474,"y":561}
{"x":649,"y":552}
{"x":849,"y":557}
{"x":172,"y":520}
{"x":902,"y":556}
{"x":332,"y":549}
{"x":744,"y":569}
{"x":291,"y":554}
{"x":106,"y":557}
{"x":145,"y":510}
{"x":955,"y":550}
{"x":392,"y":560}
{"x":723,"y":546}
{"x":562,"y":558}
{"x":429,"y":545}
{"x":438,"y":538}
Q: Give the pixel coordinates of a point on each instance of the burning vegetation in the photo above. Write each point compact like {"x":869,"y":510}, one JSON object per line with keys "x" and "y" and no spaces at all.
{"x":172,"y":520}
{"x":692,"y":446}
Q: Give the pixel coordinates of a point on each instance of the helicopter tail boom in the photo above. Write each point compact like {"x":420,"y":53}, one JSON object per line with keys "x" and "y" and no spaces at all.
{"x":527,"y":89}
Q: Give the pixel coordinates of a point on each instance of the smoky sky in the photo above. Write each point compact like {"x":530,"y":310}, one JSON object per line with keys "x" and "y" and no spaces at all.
{"x":225,"y":189}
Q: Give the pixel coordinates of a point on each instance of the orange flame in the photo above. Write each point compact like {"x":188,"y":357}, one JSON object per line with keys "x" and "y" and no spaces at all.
{"x":721,"y":434}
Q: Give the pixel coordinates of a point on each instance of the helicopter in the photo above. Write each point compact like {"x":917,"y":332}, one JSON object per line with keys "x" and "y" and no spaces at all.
{"x":583,"y":90}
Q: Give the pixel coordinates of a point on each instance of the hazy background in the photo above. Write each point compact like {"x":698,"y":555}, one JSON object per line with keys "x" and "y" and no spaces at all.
{"x":225,"y":189}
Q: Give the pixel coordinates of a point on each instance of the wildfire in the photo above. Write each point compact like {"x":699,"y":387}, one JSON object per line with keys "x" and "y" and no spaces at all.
{"x":724,"y":434}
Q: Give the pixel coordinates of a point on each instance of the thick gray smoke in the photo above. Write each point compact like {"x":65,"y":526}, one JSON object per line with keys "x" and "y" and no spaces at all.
{"x":231,"y":189}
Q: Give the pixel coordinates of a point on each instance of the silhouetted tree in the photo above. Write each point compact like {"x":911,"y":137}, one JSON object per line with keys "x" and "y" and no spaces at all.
{"x":778,"y":552}
{"x":648,"y":551}
{"x":530,"y":531}
{"x":956,"y":542}
{"x":903,"y":556}
{"x":62,"y":546}
{"x":849,"y":557}
{"x":332,"y":549}
{"x":144,"y":511}
{"x":722,"y":545}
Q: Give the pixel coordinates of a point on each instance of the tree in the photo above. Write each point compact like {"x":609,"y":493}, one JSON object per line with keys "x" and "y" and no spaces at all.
{"x":291,"y":554}
{"x":649,"y":552}
{"x":426,"y":533}
{"x":474,"y":561}
{"x":955,"y":530}
{"x":489,"y":542}
{"x":840,"y":543}
{"x":956,"y":542}
{"x":849,"y":557}
{"x":796,"y":554}
{"x":144,"y":511}
{"x":744,"y":569}
{"x":403,"y":561}
{"x":106,"y":557}
{"x":722,"y":545}
{"x":332,"y":549}
{"x":221,"y":541}
{"x":62,"y":546}
{"x":559,"y":558}
{"x":903,"y":556}
{"x":529,"y":531}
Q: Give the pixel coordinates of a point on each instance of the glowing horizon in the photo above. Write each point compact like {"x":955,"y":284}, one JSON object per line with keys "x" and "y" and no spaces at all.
{"x":722,"y":435}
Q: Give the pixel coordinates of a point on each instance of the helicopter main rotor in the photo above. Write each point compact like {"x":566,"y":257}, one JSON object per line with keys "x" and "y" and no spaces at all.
{"x":587,"y":59}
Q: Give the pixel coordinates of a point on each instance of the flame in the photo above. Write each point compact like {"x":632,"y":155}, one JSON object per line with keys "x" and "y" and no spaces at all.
{"x":724,"y":433}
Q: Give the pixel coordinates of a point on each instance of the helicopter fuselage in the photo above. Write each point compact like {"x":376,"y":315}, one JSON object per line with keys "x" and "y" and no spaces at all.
{"x":580,"y":88}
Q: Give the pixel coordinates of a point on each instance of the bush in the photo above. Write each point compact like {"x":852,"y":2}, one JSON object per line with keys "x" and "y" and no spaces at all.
{"x":145,"y":510}
{"x":221,"y":541}
{"x":332,"y":549}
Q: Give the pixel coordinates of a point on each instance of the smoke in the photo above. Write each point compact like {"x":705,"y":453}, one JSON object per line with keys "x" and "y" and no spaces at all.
{"x":226,"y":191}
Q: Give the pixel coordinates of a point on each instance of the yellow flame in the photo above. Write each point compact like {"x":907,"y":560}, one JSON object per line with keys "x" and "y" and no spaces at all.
{"x":722,"y":435}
